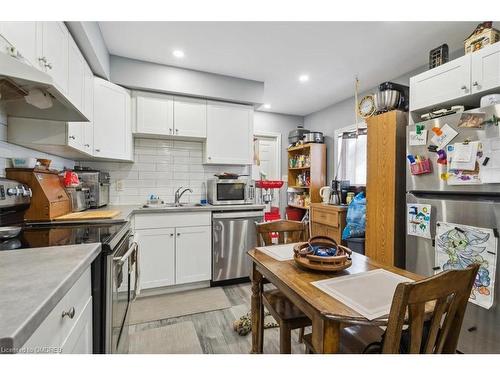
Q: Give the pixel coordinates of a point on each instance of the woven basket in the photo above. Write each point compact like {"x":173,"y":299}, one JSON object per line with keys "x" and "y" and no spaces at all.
{"x":304,"y":257}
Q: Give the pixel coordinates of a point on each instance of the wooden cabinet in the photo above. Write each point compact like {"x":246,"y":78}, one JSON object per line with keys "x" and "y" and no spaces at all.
{"x":445,"y":83}
{"x":190,"y":117}
{"x":71,"y":334}
{"x":328,"y":220}
{"x":55,"y":53}
{"x":229,"y":134}
{"x":157,"y":249}
{"x":24,"y":37}
{"x":486,"y":68}
{"x":192,"y":254}
{"x":112,"y":125}
{"x":154,"y":114}
{"x":385,"y":188}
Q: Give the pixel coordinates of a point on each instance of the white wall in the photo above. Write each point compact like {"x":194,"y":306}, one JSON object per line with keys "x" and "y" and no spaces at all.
{"x":143,"y":75}
{"x":8,"y":150}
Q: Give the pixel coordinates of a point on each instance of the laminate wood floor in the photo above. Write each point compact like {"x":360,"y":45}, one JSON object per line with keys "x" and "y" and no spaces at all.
{"x":215,"y":328}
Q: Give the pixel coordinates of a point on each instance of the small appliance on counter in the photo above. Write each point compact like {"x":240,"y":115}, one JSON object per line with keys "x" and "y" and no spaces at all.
{"x":297,"y":134}
{"x":49,"y":199}
{"x":80,"y":198}
{"x":391,"y":96}
{"x":224,"y":191}
{"x":98,"y":183}
{"x":314,"y":137}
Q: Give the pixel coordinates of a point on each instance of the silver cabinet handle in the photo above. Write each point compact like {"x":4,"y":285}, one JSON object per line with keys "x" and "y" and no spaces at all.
{"x":209,"y":158}
{"x":43,"y":59}
{"x":464,"y":87}
{"x":97,"y":150}
{"x":171,"y":234}
{"x":49,"y":66}
{"x":72,"y":137}
{"x":475,"y":84}
{"x":176,"y":131}
{"x":70,"y":313}
{"x":178,"y":234}
{"x":86,"y":145}
{"x":170,"y":130}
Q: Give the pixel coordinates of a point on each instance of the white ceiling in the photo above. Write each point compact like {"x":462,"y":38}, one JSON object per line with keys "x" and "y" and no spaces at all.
{"x":332,"y":53}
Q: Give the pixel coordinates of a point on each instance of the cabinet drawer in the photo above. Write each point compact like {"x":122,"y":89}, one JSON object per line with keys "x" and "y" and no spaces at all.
{"x":55,"y":329}
{"x":175,"y":219}
{"x":330,"y":218}
{"x":325,"y":230}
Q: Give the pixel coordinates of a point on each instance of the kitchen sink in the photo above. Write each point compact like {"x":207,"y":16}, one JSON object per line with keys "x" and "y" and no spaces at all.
{"x":172,"y":205}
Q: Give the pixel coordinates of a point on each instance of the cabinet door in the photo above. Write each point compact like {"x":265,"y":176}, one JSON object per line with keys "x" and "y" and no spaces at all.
{"x":112,"y":132}
{"x":55,"y":53}
{"x":193,"y":261}
{"x":229,"y":134}
{"x":190,"y":117}
{"x":79,"y":340}
{"x":157,"y":257}
{"x":445,"y":83}
{"x":486,"y":68}
{"x":76,"y":75}
{"x":154,"y":114}
{"x":24,"y":36}
{"x":88,"y":110}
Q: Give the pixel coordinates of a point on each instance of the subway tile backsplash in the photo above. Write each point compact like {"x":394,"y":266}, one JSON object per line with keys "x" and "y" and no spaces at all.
{"x":160,"y":167}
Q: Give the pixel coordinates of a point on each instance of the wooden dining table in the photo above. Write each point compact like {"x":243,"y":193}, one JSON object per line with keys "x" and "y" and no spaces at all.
{"x":325,"y":312}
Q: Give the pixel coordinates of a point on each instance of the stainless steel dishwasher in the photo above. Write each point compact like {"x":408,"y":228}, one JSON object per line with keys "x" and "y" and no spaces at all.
{"x":233,"y":235}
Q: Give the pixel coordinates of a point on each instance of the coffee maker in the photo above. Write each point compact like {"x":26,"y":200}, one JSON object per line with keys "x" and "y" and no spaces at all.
{"x":340,"y":188}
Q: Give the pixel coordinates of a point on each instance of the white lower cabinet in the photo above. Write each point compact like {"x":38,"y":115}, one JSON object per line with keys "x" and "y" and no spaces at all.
{"x":174,"y":255}
{"x":192,"y":254}
{"x":157,"y":257}
{"x":68,"y":327}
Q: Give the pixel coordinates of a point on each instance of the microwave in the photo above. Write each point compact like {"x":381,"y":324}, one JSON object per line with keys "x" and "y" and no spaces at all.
{"x":237,"y":191}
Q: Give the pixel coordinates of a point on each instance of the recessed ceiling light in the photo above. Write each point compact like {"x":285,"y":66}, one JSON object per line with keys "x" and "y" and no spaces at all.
{"x":267,"y":106}
{"x":178,"y":53}
{"x":303,"y":78}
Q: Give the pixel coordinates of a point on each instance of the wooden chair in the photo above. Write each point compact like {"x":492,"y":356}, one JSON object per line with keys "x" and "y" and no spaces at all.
{"x":414,"y":329}
{"x":288,"y":316}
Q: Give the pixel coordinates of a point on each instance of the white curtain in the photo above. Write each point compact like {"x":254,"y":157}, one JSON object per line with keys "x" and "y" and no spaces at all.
{"x":351,"y":156}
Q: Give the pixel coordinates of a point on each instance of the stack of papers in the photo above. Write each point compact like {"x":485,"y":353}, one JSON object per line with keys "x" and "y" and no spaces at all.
{"x":368,"y":293}
{"x":279,"y":252}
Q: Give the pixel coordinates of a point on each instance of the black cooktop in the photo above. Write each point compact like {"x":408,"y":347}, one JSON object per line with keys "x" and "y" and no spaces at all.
{"x":42,"y":235}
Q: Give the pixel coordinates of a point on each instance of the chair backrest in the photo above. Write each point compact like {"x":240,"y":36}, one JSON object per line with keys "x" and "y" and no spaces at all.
{"x":288,"y":231}
{"x":437,"y":329}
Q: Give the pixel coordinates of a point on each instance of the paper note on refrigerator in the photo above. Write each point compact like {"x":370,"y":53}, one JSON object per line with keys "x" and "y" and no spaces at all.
{"x":418,"y":220}
{"x":489,"y":163}
{"x":458,"y":246}
{"x":463,"y":173}
{"x":418,"y":139}
{"x":445,"y":136}
{"x":463,"y":155}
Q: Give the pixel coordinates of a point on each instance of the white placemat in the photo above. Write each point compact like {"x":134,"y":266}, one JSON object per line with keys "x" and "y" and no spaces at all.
{"x":278,"y":252}
{"x":369,"y":293}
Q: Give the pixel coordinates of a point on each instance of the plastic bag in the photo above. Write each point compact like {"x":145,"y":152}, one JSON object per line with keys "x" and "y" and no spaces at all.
{"x":356,"y":218}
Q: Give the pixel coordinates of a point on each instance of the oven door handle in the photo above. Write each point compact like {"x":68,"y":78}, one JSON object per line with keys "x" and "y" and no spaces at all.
{"x":125,"y":256}
{"x":137,"y":272}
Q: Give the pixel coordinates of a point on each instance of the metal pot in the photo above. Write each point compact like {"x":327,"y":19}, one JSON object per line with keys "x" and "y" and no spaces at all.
{"x":386,"y":100}
{"x":9,"y":232}
{"x":314,"y":137}
{"x":297,"y":134}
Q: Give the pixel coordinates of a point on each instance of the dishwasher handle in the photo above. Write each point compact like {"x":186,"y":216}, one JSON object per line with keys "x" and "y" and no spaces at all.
{"x":238,"y":215}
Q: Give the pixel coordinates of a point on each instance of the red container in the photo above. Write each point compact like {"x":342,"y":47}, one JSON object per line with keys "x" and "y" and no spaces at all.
{"x":268,"y":184}
{"x":293,"y":213}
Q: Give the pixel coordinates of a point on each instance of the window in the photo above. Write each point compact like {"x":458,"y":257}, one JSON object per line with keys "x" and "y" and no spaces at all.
{"x":351,"y":154}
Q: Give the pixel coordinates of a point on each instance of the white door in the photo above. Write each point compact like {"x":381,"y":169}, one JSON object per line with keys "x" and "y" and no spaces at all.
{"x":88,"y":108}
{"x":190,"y":117}
{"x":55,"y":52}
{"x":193,"y":254}
{"x":24,"y":36}
{"x":268,"y":154}
{"x":446,"y":82}
{"x":229,"y":134}
{"x":154,"y":114}
{"x":79,"y":341}
{"x":157,"y":257}
{"x":486,"y":68}
{"x":112,"y":132}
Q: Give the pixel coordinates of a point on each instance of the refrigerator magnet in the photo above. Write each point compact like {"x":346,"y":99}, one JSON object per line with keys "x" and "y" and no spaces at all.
{"x":445,"y":136}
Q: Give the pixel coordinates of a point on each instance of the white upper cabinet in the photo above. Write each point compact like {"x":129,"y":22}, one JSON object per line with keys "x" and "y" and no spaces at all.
{"x":112,"y":125}
{"x":76,"y":75}
{"x":486,"y":68}
{"x":444,"y":83}
{"x":190,"y":117}
{"x":229,"y":134}
{"x":88,"y":110}
{"x":154,"y":114}
{"x":24,"y":37}
{"x":55,"y":53}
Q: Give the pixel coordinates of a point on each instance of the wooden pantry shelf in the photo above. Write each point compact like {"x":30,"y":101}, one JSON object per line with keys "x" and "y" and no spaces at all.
{"x":299,"y":187}
{"x":301,"y":147}
{"x":299,"y":168}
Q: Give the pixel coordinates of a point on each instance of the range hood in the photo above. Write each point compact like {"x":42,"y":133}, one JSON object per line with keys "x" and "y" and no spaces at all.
{"x":27,"y":92}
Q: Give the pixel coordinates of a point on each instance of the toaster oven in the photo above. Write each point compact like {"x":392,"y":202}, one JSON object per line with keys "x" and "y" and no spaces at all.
{"x":233,"y":191}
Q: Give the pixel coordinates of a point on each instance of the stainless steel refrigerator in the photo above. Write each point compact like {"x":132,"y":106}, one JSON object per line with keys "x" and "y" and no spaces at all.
{"x":470,"y":205}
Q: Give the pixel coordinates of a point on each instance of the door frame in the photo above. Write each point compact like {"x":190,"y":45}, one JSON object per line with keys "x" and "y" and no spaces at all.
{"x":277,"y":137}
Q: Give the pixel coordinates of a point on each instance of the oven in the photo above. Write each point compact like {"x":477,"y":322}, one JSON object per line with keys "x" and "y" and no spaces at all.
{"x":122,"y":279}
{"x":234,"y":191}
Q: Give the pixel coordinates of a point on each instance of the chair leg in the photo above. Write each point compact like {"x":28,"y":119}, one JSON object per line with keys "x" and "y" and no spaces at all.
{"x":301,"y":335}
{"x":285,"y":339}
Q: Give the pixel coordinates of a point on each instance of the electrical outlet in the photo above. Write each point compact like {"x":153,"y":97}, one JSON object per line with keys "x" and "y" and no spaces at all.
{"x":119,"y":185}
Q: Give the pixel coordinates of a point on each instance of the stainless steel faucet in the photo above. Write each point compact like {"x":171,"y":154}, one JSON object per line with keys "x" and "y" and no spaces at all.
{"x":179,"y":194}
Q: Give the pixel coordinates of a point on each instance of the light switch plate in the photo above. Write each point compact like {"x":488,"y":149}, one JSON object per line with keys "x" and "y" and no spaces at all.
{"x":119,"y":185}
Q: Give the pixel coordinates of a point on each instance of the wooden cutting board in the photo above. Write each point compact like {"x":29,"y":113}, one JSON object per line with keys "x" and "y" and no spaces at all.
{"x":89,"y":215}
